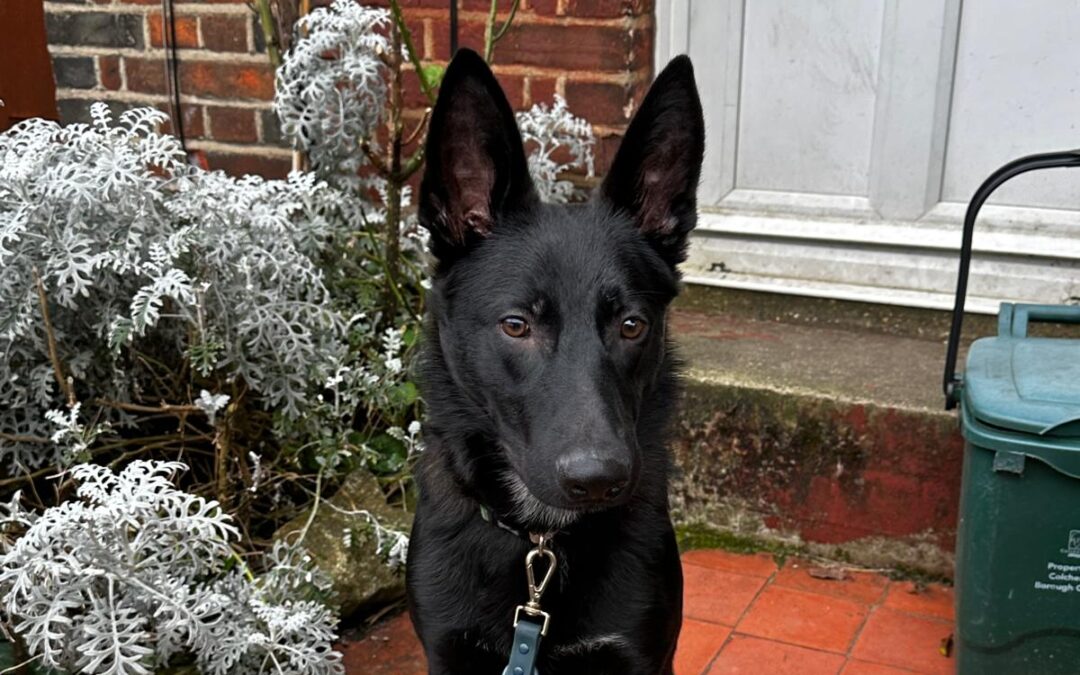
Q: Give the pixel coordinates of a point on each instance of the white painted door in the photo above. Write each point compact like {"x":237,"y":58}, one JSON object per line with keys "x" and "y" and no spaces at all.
{"x":846,"y":136}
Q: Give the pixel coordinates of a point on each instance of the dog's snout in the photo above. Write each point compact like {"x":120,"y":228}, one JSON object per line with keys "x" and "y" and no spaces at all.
{"x":587,"y":478}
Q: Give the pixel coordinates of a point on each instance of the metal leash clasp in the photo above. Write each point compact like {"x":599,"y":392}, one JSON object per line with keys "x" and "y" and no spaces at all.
{"x":532,"y":607}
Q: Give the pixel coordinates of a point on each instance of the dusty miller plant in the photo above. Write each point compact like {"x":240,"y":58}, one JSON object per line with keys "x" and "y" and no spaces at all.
{"x":135,"y":575}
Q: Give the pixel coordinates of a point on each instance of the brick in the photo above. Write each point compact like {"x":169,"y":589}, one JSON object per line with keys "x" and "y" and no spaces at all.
{"x":236,"y":125}
{"x":187,"y":31}
{"x":905,"y":641}
{"x":545,"y":7}
{"x":271,"y":129}
{"x":759,"y":565}
{"x":225,"y":33}
{"x":599,"y":102}
{"x":699,"y":643}
{"x":78,"y":110}
{"x":744,"y":654}
{"x":470,"y":34}
{"x":514,"y":87}
{"x":573,"y":47}
{"x":604,"y":152}
{"x":145,"y":75}
{"x":243,"y":164}
{"x":717,"y":596}
{"x":221,"y":79}
{"x":806,"y":619}
{"x":109,"y":71}
{"x":391,"y":648}
{"x":95,"y":29}
{"x":930,"y":599}
{"x":867,"y":668}
{"x":541,"y":90}
{"x":861,"y":587}
{"x":594,"y":9}
{"x":76,"y":72}
{"x":193,"y":120}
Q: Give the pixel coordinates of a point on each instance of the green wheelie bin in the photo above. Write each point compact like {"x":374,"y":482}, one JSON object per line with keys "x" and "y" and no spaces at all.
{"x":1018,"y":539}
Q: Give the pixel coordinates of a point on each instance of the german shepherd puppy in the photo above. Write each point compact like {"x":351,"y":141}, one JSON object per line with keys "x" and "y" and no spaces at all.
{"x":550,"y":382}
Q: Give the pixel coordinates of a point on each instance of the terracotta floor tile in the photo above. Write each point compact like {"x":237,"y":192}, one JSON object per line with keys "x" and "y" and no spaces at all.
{"x":699,"y":642}
{"x":867,"y":668}
{"x":861,"y":587}
{"x":807,"y":619}
{"x":717,"y":596}
{"x":744,"y":655}
{"x":932,"y":599}
{"x":904,"y":640}
{"x":757,"y":565}
{"x":391,"y":649}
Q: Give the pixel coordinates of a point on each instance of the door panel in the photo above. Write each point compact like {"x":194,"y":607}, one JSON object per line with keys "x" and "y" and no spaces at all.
{"x":1016,"y":91}
{"x":807,"y":99}
{"x":846,"y":136}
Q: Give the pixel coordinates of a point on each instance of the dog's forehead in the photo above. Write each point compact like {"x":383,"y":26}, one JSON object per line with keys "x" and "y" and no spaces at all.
{"x":578,"y":250}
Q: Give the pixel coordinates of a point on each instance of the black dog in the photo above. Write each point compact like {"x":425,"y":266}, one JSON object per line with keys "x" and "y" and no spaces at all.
{"x":550,"y":383}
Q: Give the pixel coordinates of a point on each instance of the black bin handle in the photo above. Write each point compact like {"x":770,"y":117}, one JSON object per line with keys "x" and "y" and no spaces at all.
{"x":1047,"y":160}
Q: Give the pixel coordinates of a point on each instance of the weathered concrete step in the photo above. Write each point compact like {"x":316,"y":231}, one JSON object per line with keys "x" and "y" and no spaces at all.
{"x":831,"y":437}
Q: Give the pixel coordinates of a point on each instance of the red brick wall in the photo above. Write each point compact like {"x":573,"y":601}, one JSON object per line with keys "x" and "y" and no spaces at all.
{"x":596,"y":53}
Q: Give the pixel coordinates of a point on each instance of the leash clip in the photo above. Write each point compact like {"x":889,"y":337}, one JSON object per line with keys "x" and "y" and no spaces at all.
{"x":532,"y":607}
{"x":527,"y":634}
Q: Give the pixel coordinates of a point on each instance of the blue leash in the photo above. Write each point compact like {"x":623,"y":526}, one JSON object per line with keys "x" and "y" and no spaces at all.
{"x":530,"y":622}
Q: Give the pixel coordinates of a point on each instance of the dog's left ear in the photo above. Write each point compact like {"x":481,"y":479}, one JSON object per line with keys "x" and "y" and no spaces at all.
{"x":476,"y":166}
{"x":655,"y":174}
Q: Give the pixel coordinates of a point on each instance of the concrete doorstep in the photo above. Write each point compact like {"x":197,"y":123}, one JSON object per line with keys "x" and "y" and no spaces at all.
{"x":821,"y":431}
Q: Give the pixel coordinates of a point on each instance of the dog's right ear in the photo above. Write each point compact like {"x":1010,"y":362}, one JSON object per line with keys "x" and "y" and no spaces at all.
{"x":476,"y":166}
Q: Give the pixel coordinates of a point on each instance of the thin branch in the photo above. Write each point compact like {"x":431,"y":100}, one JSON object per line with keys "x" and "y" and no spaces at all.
{"x":21,"y":438}
{"x":493,"y":35}
{"x":414,"y":57}
{"x":163,"y":408}
{"x":506,"y":25}
{"x":269,"y":31}
{"x":50,"y":335}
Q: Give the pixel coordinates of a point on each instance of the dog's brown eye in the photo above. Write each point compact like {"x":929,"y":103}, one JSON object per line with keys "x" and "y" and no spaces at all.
{"x":633,"y":328}
{"x":515,"y":326}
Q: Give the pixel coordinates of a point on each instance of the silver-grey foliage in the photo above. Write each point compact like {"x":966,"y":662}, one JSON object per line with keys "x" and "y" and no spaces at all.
{"x":545,"y":131}
{"x":135,"y":247}
{"x":135,"y":574}
{"x":329,"y":105}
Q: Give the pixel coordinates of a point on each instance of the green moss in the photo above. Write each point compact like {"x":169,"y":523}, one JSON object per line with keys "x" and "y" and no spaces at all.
{"x":697,"y":535}
{"x":691,"y":536}
{"x":920,"y":577}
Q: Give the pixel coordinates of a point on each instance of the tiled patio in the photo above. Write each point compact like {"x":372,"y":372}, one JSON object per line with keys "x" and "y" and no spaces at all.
{"x":744,"y":614}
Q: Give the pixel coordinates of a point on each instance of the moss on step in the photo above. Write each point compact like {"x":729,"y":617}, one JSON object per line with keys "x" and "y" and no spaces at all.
{"x":692,"y":536}
{"x":698,"y":535}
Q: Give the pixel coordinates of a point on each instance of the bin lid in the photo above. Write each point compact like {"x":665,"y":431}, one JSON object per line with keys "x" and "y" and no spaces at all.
{"x":1030,"y":385}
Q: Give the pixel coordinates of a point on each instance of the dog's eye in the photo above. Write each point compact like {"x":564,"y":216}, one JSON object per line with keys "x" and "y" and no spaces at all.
{"x":515,"y":326}
{"x":633,"y":328}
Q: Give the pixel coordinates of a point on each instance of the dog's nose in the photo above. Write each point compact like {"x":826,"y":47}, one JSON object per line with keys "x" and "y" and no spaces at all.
{"x":588,"y":478}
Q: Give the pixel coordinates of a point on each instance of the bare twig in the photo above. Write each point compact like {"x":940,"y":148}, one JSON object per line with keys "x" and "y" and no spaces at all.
{"x":22,"y":438}
{"x":163,"y":408}
{"x":269,"y":31}
{"x":414,"y":57}
{"x":492,"y":34}
{"x":50,"y":335}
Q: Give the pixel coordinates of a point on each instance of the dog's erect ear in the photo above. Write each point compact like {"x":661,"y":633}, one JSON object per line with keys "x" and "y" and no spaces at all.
{"x":655,"y":174}
{"x":476,"y":166}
